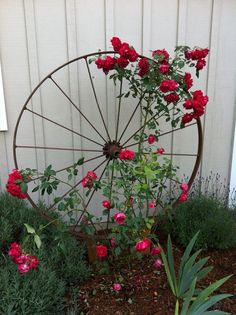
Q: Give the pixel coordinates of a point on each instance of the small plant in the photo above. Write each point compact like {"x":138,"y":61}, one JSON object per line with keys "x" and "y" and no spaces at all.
{"x":207,"y":214}
{"x":183,"y":284}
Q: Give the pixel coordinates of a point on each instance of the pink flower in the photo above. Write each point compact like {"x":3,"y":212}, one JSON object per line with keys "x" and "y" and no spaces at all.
{"x":168,"y":85}
{"x":22,"y":259}
{"x":15,"y":250}
{"x":33,"y":262}
{"x":184,"y":187}
{"x":155,"y":251}
{"x":101,"y":251}
{"x":113,"y":242}
{"x":142,"y":245}
{"x":116,"y":287}
{"x":183,"y":197}
{"x":151,"y":205}
{"x":160,"y":151}
{"x":107,"y":204}
{"x":157,"y":264}
{"x":119,"y":217}
{"x":151,"y":139}
{"x":23,"y":268}
{"x":126,"y":155}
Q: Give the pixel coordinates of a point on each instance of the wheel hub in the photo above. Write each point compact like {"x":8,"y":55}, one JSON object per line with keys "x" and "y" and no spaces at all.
{"x":112,"y":149}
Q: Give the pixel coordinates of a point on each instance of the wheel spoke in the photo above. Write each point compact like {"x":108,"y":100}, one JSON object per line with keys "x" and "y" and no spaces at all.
{"x":131,"y":117}
{"x":111,"y":185}
{"x":66,"y":128}
{"x":70,"y":100}
{"x":91,"y":196}
{"x":55,"y":148}
{"x":118,"y":114}
{"x":142,"y":127}
{"x":96,"y":99}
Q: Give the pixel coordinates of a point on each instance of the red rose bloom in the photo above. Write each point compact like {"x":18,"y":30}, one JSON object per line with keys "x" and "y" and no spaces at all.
{"x":171,"y":98}
{"x":126,"y":155}
{"x":187,"y":118}
{"x":160,"y":151}
{"x":188,"y":80}
{"x":164,"y":67}
{"x":155,"y":251}
{"x":184,"y":187}
{"x":23,"y":268}
{"x":100,"y":63}
{"x":151,"y":139}
{"x":162,"y":53}
{"x":168,"y":85}
{"x":89,"y":179}
{"x":33,"y":262}
{"x":200,"y":64}
{"x":14,"y":188}
{"x":133,"y":55}
{"x":101,"y":251}
{"x":183,"y":197}
{"x":122,"y":62}
{"x":15,"y":251}
{"x":107,"y":204}
{"x":109,"y":64}
{"x":143,"y":66}
{"x":142,"y":245}
{"x":119,"y":217}
{"x":116,"y":43}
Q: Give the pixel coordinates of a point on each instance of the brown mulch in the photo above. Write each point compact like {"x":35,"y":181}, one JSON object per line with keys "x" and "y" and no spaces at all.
{"x":147,"y":293}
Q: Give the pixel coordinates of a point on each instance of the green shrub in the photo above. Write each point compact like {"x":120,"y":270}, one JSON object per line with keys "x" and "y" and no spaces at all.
{"x":37,"y":292}
{"x":215,"y":221}
{"x":62,"y":262}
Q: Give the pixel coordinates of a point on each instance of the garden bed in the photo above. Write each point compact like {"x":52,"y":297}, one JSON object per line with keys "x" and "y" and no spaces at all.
{"x":147,"y":293}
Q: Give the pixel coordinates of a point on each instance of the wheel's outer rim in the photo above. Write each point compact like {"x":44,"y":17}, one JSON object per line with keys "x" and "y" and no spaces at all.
{"x":199,"y":126}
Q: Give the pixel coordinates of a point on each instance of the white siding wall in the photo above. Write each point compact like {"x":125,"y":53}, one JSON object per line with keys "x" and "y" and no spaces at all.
{"x":37,"y":36}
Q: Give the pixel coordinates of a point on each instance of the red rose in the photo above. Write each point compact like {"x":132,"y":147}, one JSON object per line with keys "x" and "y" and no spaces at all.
{"x":116,"y":43}
{"x":126,"y":155}
{"x":151,"y":139}
{"x":89,"y":179}
{"x":183,"y":197}
{"x":124,"y":50}
{"x":33,"y":262}
{"x":187,"y":118}
{"x":162,"y":53}
{"x":109,"y":64}
{"x":14,"y":188}
{"x":15,"y":250}
{"x":171,"y":98}
{"x":168,"y":85}
{"x":119,"y":218}
{"x":101,"y":251}
{"x":133,"y":55}
{"x":160,"y":151}
{"x":23,"y":268}
{"x":157,"y":264}
{"x":164,"y":68}
{"x":107,"y":204}
{"x":188,"y":80}
{"x":151,"y":205}
{"x":142,"y":245}
{"x":143,"y":66}
{"x":122,"y":62}
{"x":22,"y":259}
{"x":155,"y":251}
{"x":200,"y":64}
{"x":184,"y":187}
{"x":100,"y":63}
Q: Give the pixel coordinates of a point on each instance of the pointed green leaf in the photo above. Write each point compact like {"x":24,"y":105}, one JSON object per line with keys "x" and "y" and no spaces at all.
{"x":37,"y":241}
{"x":29,"y":228}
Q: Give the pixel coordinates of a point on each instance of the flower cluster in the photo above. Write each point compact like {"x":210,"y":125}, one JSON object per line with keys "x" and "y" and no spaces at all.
{"x":127,"y":155}
{"x":126,"y":52}
{"x":162,"y":56}
{"x":184,"y":195}
{"x":89,"y":179}
{"x":197,"y":103}
{"x":13,"y":185}
{"x":198,"y":55}
{"x":24,"y":262}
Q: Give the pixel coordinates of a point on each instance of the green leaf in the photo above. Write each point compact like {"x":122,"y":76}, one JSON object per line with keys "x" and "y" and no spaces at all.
{"x":37,"y":241}
{"x":189,"y":297}
{"x":167,"y":270}
{"x":23,"y":187}
{"x":80,"y":161}
{"x":35,"y":189}
{"x":29,"y":228}
{"x":171,"y":263}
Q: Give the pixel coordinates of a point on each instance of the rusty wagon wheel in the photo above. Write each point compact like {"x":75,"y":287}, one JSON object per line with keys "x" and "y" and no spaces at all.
{"x":61,"y":122}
